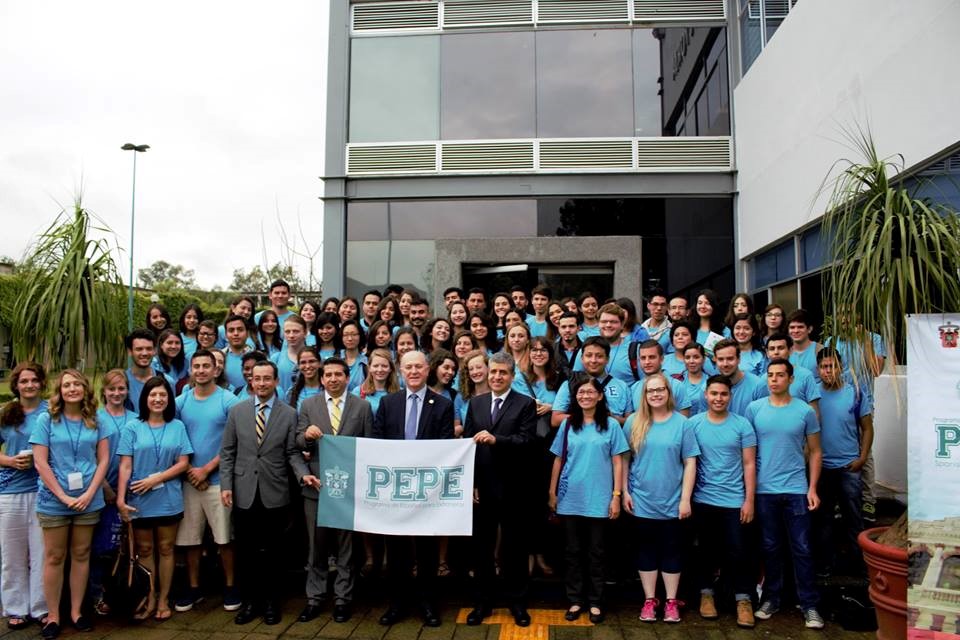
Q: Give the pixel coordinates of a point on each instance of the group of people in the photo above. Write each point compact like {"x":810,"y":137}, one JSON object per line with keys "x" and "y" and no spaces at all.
{"x":619,"y":428}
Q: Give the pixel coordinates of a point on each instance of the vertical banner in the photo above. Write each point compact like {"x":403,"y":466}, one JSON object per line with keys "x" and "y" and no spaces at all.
{"x":396,"y":487}
{"x":933,"y":462}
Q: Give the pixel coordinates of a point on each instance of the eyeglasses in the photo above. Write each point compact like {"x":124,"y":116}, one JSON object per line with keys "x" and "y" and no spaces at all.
{"x":774,"y":314}
{"x":539,"y":350}
{"x":654,"y":391}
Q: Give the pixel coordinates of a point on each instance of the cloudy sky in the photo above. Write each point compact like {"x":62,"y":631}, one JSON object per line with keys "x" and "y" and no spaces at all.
{"x":229,"y":95}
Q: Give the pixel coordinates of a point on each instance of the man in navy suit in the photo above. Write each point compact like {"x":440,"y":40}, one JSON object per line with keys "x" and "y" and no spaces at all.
{"x":503,"y":423}
{"x":416,"y":413}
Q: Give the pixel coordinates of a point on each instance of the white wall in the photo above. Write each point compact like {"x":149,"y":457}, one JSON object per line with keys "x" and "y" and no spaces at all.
{"x":833,"y":64}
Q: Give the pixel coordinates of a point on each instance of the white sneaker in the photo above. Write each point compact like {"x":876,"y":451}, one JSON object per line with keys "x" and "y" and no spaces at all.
{"x":812,"y":619}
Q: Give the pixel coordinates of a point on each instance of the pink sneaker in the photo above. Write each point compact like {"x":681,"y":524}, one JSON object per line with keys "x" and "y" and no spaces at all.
{"x":649,"y":611}
{"x":671,"y":611}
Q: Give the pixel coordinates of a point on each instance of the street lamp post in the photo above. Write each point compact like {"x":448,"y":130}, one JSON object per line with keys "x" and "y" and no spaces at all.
{"x":136,"y":148}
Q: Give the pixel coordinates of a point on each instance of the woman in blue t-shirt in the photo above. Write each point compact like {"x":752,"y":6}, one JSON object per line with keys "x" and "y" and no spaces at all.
{"x":694,"y":380}
{"x":154,"y":452}
{"x":746,"y":332}
{"x":585,"y":488}
{"x":71,"y":452}
{"x":659,"y":480}
{"x":21,"y":539}
{"x":189,"y":324}
{"x":269,"y":333}
{"x":171,"y":360}
{"x":308,"y":382}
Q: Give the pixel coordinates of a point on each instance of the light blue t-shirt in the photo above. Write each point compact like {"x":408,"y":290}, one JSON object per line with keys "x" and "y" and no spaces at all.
{"x":537,"y":327}
{"x":135,"y":388}
{"x":373,"y":398}
{"x":358,"y":372}
{"x":585,"y":487}
{"x":287,"y":371}
{"x":586,"y":331}
{"x":154,"y":450}
{"x":118,"y":423}
{"x":306,"y":392}
{"x":720,"y":467}
{"x":695,"y":393}
{"x":459,"y":407}
{"x":233,"y":367}
{"x":681,"y":399}
{"x":173,"y":375}
{"x":749,"y":388}
{"x":72,"y":448}
{"x":753,"y":361}
{"x":536,"y":389}
{"x":840,"y":434}
{"x":655,"y":478}
{"x":204,"y":421}
{"x":616,"y":393}
{"x":673,"y":366}
{"x":807,"y":359}
{"x":853,"y":355}
{"x":221,"y":342}
{"x":703,"y":335}
{"x":804,"y":386}
{"x":15,"y":440}
{"x":618,"y":364}
{"x":781,"y":434}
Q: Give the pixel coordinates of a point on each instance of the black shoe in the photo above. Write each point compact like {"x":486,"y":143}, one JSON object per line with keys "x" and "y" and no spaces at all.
{"x":248,"y":613}
{"x":520,"y":616}
{"x":392,"y":616}
{"x":82,"y":624}
{"x":309,"y":612}
{"x":571,"y":615}
{"x":476,"y":616}
{"x":271,"y":614}
{"x":341,"y":612}
{"x":50,"y":631}
{"x":430,"y":617}
{"x":596,"y":618}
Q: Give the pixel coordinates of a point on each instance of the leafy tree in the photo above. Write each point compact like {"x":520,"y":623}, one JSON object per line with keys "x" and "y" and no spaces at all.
{"x":165,"y":276}
{"x":257,"y":280}
{"x":71,"y":302}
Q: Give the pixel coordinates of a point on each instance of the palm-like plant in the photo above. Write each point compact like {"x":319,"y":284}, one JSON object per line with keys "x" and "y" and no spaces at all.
{"x":892,"y":253}
{"x":72,"y":304}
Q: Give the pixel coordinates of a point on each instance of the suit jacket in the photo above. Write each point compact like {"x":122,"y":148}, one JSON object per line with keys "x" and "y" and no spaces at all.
{"x":503,"y":469}
{"x":246,"y":467}
{"x":436,"y":417}
{"x":356,"y":419}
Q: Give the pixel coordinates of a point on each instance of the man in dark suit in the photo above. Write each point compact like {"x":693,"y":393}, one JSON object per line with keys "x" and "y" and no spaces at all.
{"x":332,"y":412}
{"x":257,"y":449}
{"x":503,"y":423}
{"x":416,"y":413}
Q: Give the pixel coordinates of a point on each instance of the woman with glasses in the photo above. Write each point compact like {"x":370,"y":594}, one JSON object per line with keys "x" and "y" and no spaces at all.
{"x":353,"y":340}
{"x":772,"y":322}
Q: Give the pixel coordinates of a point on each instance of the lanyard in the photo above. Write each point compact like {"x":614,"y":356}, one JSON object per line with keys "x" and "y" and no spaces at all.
{"x":74,"y":442}
{"x":157,"y":442}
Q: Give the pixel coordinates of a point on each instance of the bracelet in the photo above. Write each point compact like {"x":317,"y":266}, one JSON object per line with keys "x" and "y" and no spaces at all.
{"x":616,"y":494}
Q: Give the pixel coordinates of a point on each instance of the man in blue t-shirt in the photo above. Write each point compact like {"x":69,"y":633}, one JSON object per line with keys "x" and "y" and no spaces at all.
{"x":594,"y":355}
{"x":650,"y":362}
{"x":568,"y":343}
{"x":658,"y":324}
{"x":744,"y":387}
{"x":847,"y":435}
{"x":235,"y":328}
{"x":804,"y":386}
{"x":540,"y":300}
{"x":368,"y":308}
{"x":803,"y":353}
{"x":279,"y":295}
{"x":612,"y":317}
{"x":141,"y":348}
{"x":786,"y":494}
{"x":724,"y":498}
{"x":203,"y":410}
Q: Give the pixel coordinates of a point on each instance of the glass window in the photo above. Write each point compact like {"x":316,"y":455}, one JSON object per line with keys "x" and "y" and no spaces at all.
{"x":394,"y":89}
{"x":751,"y":40}
{"x":580,"y":83}
{"x":648,"y":117}
{"x":487,"y":86}
{"x":813,"y":250}
{"x":774,"y":265}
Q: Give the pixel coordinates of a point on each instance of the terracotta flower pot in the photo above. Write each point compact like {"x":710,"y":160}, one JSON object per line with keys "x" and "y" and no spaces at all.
{"x":887,"y":569}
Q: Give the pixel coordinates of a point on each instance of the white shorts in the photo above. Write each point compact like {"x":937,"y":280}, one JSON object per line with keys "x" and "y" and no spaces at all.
{"x":199,"y":509}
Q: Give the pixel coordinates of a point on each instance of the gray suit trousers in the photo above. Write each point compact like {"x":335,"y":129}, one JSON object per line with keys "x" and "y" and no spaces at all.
{"x":323,"y":542}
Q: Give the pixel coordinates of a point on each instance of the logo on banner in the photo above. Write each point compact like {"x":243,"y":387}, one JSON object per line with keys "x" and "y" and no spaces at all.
{"x":338,"y":481}
{"x":949,"y":334}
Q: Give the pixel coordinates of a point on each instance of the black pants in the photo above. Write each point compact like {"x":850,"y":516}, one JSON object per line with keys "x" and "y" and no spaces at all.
{"x":258,"y":533}
{"x":584,"y":556}
{"x":402,"y":551}
{"x":514,"y":526}
{"x":721,"y":544}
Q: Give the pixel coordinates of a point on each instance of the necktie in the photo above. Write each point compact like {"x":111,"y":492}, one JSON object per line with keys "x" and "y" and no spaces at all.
{"x":261,"y":422}
{"x":410,"y":430}
{"x":496,"y":410}
{"x":335,"y":416}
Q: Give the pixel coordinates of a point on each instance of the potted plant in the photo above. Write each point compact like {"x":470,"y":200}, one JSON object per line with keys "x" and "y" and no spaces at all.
{"x":892,"y":254}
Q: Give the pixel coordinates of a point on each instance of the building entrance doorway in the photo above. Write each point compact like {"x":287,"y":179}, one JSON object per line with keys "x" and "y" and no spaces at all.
{"x":567,"y":279}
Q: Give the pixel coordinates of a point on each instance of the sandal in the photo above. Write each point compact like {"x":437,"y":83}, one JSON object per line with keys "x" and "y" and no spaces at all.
{"x":443,"y":570}
{"x":17,"y":622}
{"x":101,"y":608}
{"x":147,"y":611}
{"x":163,"y":615}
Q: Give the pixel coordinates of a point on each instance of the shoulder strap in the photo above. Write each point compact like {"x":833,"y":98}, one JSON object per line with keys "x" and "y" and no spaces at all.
{"x":633,"y":350}
{"x":605,"y":382}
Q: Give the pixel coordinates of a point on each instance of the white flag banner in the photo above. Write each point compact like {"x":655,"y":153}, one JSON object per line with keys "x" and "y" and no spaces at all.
{"x":396,"y":487}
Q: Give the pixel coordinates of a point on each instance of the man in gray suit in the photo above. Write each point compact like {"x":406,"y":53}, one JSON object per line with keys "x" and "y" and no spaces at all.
{"x":332,"y":412}
{"x":258,"y":448}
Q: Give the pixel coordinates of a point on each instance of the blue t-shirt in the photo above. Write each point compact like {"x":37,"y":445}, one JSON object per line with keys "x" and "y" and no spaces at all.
{"x":585,"y":487}
{"x":704,"y":334}
{"x":804,"y":386}
{"x":358,"y":372}
{"x":749,"y":388}
{"x":204,"y":421}
{"x":154,"y":450}
{"x":537,"y":327}
{"x":306,"y":392}
{"x":655,"y":478}
{"x":720,"y":467}
{"x":852,"y":354}
{"x":536,"y":389}
{"x":233,"y":367}
{"x":373,"y":398}
{"x":618,"y":364}
{"x":72,"y":448}
{"x":781,"y":434}
{"x":459,"y":408}
{"x":672,"y":366}
{"x":695,"y":393}
{"x":118,"y":423}
{"x":616,"y":393}
{"x":681,"y":400}
{"x":15,"y":440}
{"x":222,"y":343}
{"x":135,"y":388}
{"x":190,"y":346}
{"x":753,"y":361}
{"x":287,"y":371}
{"x":173,"y":375}
{"x":806,"y":359}
{"x":586,"y":331}
{"x":840,"y":410}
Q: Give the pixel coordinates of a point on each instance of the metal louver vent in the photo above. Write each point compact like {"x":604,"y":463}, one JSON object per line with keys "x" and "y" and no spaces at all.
{"x":654,"y":10}
{"x":392,"y":158}
{"x":683,"y":153}
{"x":588,"y":154}
{"x":462,"y":13}
{"x":582,"y":10}
{"x":396,"y":15}
{"x":489,"y":156}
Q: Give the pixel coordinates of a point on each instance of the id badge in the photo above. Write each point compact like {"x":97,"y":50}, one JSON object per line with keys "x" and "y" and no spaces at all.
{"x":75,"y":481}
{"x":157,"y":486}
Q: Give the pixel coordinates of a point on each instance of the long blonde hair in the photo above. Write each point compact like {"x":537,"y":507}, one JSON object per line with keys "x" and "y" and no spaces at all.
{"x":467,"y":387}
{"x":88,"y":406}
{"x":369,"y":387}
{"x":643,"y":418}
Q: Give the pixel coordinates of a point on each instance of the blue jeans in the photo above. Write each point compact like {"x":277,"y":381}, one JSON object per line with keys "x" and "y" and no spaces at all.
{"x":786,"y":516}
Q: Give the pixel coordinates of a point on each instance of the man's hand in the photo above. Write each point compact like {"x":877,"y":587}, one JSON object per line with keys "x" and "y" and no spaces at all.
{"x":313,"y":433}
{"x":312,"y":481}
{"x":484,"y":437}
{"x":226,"y":497}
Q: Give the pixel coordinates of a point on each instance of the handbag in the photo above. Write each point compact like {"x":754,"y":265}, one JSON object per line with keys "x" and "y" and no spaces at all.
{"x":543,"y":422}
{"x":130,"y":587}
